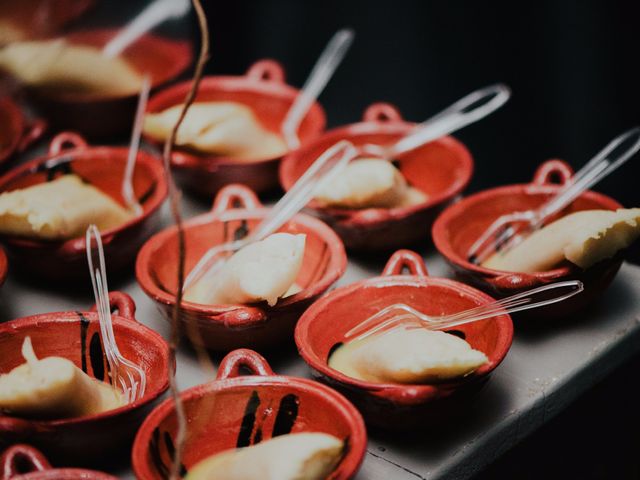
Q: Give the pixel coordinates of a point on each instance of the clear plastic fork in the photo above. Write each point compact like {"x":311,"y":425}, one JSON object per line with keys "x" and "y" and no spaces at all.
{"x":130,"y":377}
{"x":509,"y":230}
{"x":399,"y":313}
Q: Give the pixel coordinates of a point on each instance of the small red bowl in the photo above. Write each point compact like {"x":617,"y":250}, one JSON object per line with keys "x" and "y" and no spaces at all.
{"x":100,"y":116}
{"x":103,"y":167}
{"x":235,"y":212}
{"x":23,"y":462}
{"x":264,"y":90}
{"x":4,"y":266}
{"x":91,"y":439}
{"x":16,"y":132}
{"x":322,"y":327}
{"x":461,"y":224}
{"x":236,"y":411}
{"x":441,"y":169}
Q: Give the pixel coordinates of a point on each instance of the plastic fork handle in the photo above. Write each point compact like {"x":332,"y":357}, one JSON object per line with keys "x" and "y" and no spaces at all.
{"x":459,"y":115}
{"x":322,"y":72}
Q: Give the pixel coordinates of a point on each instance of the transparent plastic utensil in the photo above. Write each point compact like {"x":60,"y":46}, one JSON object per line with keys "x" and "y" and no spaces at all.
{"x":322,"y":170}
{"x":129,"y":376}
{"x":127,"y":180}
{"x":468,"y":109}
{"x":509,"y":230}
{"x":400,"y":313}
{"x":152,"y":16}
{"x":322,"y":72}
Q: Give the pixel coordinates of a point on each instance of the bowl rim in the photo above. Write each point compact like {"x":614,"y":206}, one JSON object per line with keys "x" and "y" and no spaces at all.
{"x":4,"y":266}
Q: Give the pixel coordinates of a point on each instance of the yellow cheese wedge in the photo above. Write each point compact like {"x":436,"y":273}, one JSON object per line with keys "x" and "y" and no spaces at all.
{"x":407,"y":356}
{"x":584,"y":238}
{"x":58,"y":66}
{"x":53,"y":388}
{"x":263,"y":270}
{"x":297,"y":456}
{"x":222,"y":128}
{"x":57,"y":210}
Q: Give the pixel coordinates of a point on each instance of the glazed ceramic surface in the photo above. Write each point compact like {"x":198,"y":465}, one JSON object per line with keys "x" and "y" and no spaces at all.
{"x":441,"y":169}
{"x":93,"y":439}
{"x":4,"y":266}
{"x":322,"y":328}
{"x":236,"y":211}
{"x":16,"y":133}
{"x":238,"y":411}
{"x":461,"y":224}
{"x":264,"y":90}
{"x":104,"y":168}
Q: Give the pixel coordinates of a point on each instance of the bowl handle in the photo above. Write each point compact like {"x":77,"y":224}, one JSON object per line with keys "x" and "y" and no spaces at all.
{"x":72,"y":138}
{"x":545,"y":173}
{"x":382,"y":113}
{"x":405,"y":259}
{"x":266,"y":70}
{"x":123,"y":303}
{"x":243,"y":357}
{"x":16,"y":457}
{"x":32,"y":132}
{"x":235,"y":196}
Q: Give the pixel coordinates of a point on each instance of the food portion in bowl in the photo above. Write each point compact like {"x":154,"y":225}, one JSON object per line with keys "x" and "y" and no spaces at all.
{"x":57,"y":66}
{"x":583,"y":238}
{"x":53,"y":388}
{"x":261,"y":271}
{"x":229,"y":129}
{"x":294,"y":456}
{"x":57,"y":210}
{"x":408,"y":356}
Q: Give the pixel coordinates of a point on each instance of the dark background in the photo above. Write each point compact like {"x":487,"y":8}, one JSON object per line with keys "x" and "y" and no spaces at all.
{"x":572,"y":66}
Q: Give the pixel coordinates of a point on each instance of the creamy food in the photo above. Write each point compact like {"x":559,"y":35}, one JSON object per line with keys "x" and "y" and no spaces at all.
{"x":263,"y":270}
{"x":53,"y":388}
{"x":222,"y":128}
{"x":407,"y":356}
{"x":369,"y":183}
{"x":297,"y":456}
{"x":58,"y":210}
{"x":58,"y":66}
{"x":583,"y":238}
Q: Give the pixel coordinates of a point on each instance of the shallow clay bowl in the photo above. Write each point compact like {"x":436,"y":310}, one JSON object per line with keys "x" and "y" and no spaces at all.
{"x":97,"y":115}
{"x":235,"y":212}
{"x":4,"y":266}
{"x":76,"y":336}
{"x":322,"y":327}
{"x":103,"y":167}
{"x":264,"y":90}
{"x":16,"y":132}
{"x":237,"y":411}
{"x":461,"y":224}
{"x":441,"y":169}
{"x":23,"y":462}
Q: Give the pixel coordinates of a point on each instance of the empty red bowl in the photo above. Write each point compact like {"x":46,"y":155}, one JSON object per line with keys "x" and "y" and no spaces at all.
{"x":16,"y":132}
{"x":238,"y":411}
{"x":461,"y":224}
{"x":104,"y":168}
{"x":441,"y":169}
{"x":235,"y":212}
{"x":23,"y":462}
{"x":91,"y":439}
{"x":322,"y":328}
{"x":264,"y":90}
{"x":99,"y":116}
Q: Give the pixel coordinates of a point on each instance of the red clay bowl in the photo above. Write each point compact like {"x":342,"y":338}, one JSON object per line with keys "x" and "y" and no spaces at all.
{"x":441,"y":169}
{"x":16,"y":133}
{"x":238,"y":411}
{"x":103,"y":167}
{"x":99,"y":116}
{"x":263,"y":88}
{"x":4,"y":266}
{"x":76,"y":336}
{"x":23,"y":462}
{"x":461,"y":224}
{"x":235,"y":212}
{"x":322,"y":327}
